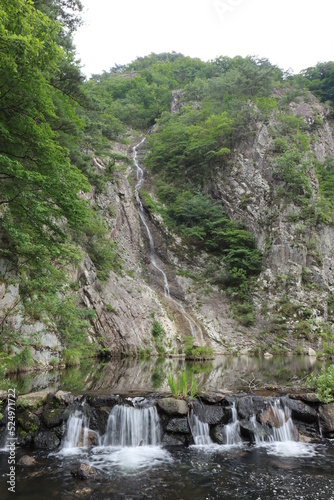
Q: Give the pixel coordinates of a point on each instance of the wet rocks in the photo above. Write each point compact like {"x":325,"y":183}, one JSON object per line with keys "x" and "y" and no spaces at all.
{"x":248,"y":406}
{"x":173,"y":406}
{"x":326,"y":414}
{"x":301,"y":411}
{"x":27,"y":461}
{"x":84,"y":472}
{"x":46,"y":440}
{"x":178,"y":425}
{"x":210,"y":414}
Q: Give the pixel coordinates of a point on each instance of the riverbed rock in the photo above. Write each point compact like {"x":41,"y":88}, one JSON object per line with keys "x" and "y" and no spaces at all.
{"x":210,"y":414}
{"x":248,"y":406}
{"x":173,"y":406}
{"x":28,"y":421}
{"x":301,"y":411}
{"x":178,"y":425}
{"x":46,"y":440}
{"x":173,"y":440}
{"x":218,"y":434}
{"x":64,"y":397}
{"x":270,"y":418}
{"x":106,"y":401}
{"x":84,"y":472}
{"x":32,"y":400}
{"x":307,"y":397}
{"x":51,"y":417}
{"x":27,"y":461}
{"x":250,"y":429}
{"x":213,"y":397}
{"x":326,"y":413}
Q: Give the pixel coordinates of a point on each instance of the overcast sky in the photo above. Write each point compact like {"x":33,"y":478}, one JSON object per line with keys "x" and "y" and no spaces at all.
{"x":293,"y":34}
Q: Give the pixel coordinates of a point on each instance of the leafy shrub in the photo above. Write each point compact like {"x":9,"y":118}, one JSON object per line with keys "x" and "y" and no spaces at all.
{"x":324,"y":384}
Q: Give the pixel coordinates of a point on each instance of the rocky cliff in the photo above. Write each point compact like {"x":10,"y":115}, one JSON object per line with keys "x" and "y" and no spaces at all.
{"x":292,"y":296}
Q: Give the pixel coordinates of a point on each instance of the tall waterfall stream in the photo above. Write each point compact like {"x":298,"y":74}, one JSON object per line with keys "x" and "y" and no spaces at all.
{"x":195,"y":329}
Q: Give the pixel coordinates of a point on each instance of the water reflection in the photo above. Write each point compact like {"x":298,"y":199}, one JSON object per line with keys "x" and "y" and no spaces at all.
{"x":130,"y":375}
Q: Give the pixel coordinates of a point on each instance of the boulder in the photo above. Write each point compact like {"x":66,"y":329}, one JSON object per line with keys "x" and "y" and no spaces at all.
{"x":210,"y":414}
{"x":51,"y":417}
{"x":312,"y":353}
{"x":212,"y":397}
{"x":307,"y":397}
{"x":250,"y":429}
{"x":301,"y":411}
{"x":64,"y":397}
{"x":28,"y":421}
{"x":27,"y":460}
{"x":178,"y":425}
{"x":326,"y":414}
{"x":109,"y":401}
{"x":248,"y":406}
{"x":173,"y":406}
{"x":173,"y":440}
{"x":271,"y":418}
{"x":84,"y":472}
{"x":218,"y":434}
{"x":46,"y":440}
{"x":32,"y":400}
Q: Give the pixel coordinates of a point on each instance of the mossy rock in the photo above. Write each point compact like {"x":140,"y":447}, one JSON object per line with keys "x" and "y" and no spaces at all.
{"x":28,"y":421}
{"x":51,"y":417}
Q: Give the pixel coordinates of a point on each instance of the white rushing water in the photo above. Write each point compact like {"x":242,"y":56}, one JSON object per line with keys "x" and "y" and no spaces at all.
{"x":200,"y":430}
{"x":140,"y":179}
{"x":195,"y":329}
{"x":128,"y":426}
{"x":281,"y":441}
{"x":232,"y":430}
{"x":132,"y":440}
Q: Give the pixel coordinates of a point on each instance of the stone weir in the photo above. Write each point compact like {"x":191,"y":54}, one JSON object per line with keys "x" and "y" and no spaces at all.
{"x":60,"y":420}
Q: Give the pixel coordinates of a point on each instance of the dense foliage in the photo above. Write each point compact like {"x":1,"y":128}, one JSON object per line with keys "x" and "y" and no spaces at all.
{"x":42,"y":208}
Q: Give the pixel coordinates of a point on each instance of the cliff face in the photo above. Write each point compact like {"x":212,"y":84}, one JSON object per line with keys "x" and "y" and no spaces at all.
{"x":292,"y":296}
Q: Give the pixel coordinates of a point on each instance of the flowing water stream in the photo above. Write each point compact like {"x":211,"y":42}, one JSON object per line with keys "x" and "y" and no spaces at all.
{"x":195,"y":329}
{"x":133,"y":463}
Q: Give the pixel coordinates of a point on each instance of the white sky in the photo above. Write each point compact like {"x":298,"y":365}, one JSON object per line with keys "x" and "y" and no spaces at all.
{"x":293,"y":34}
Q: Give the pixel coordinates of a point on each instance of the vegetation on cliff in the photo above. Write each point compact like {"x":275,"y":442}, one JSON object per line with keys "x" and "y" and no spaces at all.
{"x":51,"y":120}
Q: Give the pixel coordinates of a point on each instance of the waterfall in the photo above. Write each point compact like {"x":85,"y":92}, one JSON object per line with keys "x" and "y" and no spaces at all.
{"x":5,"y":437}
{"x":140,"y":179}
{"x":78,"y":433}
{"x":232,"y":430}
{"x":199,"y":430}
{"x":284,"y":430}
{"x":128,"y":426}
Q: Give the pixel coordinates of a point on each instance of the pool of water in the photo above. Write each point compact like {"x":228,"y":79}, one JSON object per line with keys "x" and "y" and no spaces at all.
{"x":296,"y":471}
{"x":123,"y":375}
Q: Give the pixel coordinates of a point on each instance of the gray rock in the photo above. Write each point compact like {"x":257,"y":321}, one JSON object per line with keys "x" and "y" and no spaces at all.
{"x":251,"y":429}
{"x":301,"y":411}
{"x":248,"y":406}
{"x":210,"y":414}
{"x":27,"y":460}
{"x":51,"y":417}
{"x":212,"y":397}
{"x":84,"y":472}
{"x":173,"y":440}
{"x":178,"y":425}
{"x":326,"y":413}
{"x":46,"y":440}
{"x":218,"y":434}
{"x":173,"y":406}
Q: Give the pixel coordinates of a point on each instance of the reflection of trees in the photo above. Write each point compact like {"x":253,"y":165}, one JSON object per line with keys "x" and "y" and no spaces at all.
{"x":223,"y":372}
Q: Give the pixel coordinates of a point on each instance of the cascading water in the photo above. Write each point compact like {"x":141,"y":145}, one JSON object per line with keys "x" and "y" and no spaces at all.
{"x":232,"y":430}
{"x":199,"y":430}
{"x":78,"y":434}
{"x":140,"y":179}
{"x":5,"y":437}
{"x":128,"y":426}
